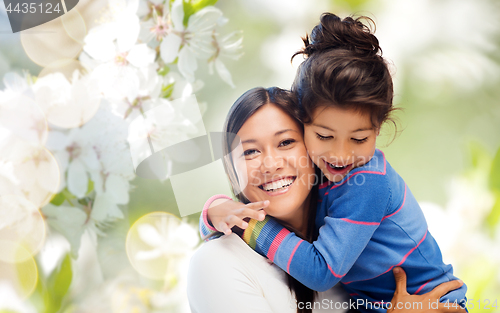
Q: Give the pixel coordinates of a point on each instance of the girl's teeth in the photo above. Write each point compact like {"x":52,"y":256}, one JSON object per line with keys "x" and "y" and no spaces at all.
{"x":336,"y":167}
{"x":279,"y":184}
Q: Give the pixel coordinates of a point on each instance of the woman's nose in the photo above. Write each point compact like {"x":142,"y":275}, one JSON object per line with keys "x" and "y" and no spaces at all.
{"x":271,"y":163}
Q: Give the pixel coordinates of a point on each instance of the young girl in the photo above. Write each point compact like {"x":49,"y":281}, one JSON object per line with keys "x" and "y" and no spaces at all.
{"x":368,"y":220}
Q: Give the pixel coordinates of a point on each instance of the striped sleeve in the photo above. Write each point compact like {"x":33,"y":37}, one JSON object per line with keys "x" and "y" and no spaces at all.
{"x":207,"y":230}
{"x":352,"y":219}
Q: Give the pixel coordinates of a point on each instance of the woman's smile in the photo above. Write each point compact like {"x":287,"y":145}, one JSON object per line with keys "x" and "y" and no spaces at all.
{"x":278,"y":186}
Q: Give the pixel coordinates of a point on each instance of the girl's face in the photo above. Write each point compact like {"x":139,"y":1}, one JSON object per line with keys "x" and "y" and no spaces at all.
{"x":339,"y":140}
{"x":277,"y":166}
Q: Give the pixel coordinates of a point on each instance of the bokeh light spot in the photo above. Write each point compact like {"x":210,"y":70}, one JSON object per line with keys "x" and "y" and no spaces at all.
{"x":74,"y":25}
{"x":21,"y":224}
{"x":157,"y":242}
{"x":50,"y":42}
{"x":36,"y":174}
{"x":64,"y":66}
{"x":22,"y":274}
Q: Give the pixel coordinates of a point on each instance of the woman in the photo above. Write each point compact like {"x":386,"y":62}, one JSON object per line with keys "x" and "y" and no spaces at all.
{"x":225,"y":275}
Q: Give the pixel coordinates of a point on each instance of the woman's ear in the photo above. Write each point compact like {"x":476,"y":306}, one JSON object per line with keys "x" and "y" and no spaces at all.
{"x":377,"y":131}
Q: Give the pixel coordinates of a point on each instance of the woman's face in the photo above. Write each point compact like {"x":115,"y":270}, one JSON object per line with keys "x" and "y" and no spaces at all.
{"x":275,"y":162}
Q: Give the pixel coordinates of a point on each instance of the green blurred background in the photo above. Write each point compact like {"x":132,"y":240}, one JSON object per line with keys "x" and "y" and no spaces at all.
{"x":445,"y":57}
{"x":447,"y":83}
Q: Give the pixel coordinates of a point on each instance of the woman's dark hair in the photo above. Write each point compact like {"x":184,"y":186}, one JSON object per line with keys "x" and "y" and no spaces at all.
{"x":246,"y":106}
{"x":344,"y":68}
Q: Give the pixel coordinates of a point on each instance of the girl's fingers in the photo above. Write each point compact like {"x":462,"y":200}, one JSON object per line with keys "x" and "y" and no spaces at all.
{"x":224,"y":228}
{"x":444,"y":288}
{"x":243,"y":224}
{"x":400,"y":277}
{"x":234,"y":220}
{"x":258,"y":205}
{"x":256,"y":215}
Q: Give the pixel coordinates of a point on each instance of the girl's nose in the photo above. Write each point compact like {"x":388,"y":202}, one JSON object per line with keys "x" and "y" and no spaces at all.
{"x":342,"y":154}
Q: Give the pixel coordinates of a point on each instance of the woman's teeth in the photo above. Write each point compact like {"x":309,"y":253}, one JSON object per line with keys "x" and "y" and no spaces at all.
{"x":278,"y":184}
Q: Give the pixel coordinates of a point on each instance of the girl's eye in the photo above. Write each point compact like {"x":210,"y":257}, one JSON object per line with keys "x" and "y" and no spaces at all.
{"x":323,"y":137}
{"x":249,"y":152}
{"x":360,"y":140}
{"x":286,"y":142}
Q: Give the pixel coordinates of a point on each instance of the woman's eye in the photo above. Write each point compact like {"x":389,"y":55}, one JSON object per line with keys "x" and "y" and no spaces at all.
{"x":249,"y":152}
{"x":360,"y":140}
{"x":323,"y":137}
{"x":286,"y":142}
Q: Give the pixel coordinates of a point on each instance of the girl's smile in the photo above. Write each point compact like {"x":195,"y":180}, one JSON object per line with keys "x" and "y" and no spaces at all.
{"x":338,"y":170}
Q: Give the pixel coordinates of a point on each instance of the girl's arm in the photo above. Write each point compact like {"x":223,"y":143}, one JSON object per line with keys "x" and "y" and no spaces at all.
{"x":220,"y":213}
{"x":207,"y":229}
{"x":352,"y":219}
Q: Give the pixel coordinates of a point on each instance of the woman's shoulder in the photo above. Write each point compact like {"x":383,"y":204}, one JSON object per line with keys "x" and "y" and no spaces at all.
{"x":225,"y":272}
{"x":217,"y":263}
{"x":217,"y":250}
{"x":226,"y":252}
{"x":222,"y":245}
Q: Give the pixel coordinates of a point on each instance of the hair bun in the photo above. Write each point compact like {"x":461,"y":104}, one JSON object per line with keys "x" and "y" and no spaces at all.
{"x":347,"y":34}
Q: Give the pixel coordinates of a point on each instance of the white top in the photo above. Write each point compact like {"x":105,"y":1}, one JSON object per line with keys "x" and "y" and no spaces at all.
{"x":226,"y":276}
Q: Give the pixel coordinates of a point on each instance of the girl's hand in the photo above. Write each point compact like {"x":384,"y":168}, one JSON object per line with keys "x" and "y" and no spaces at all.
{"x":224,"y":214}
{"x":428,"y":302}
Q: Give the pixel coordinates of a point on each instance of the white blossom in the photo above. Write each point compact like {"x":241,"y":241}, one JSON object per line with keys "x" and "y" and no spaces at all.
{"x":166,"y":124}
{"x":69,"y":221}
{"x":168,"y":238}
{"x":97,"y":151}
{"x":121,"y":77}
{"x":181,"y":88}
{"x":114,"y":45}
{"x":67,"y":104}
{"x":159,"y":25}
{"x":15,"y":85}
{"x":74,"y":140}
{"x":192,"y":42}
{"x":117,"y":35}
{"x":28,"y":170}
{"x":22,"y":117}
{"x":228,"y":46}
{"x":150,"y":86}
